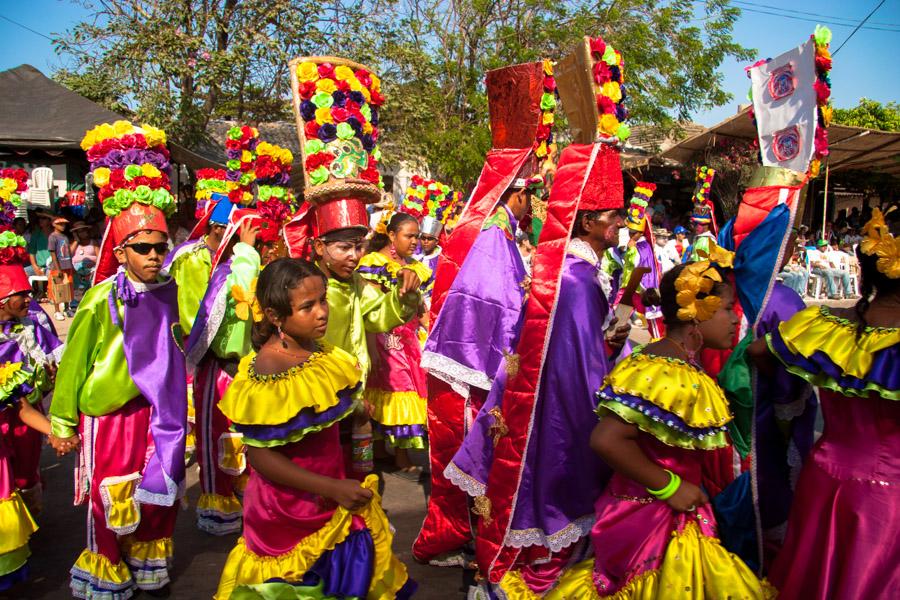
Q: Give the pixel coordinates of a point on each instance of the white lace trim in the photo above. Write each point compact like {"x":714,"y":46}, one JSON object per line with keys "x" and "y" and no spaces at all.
{"x":455,"y":559}
{"x":216,"y":316}
{"x":456,"y":375}
{"x":791,"y":410}
{"x":28,"y":344}
{"x":174,"y":491}
{"x":464,"y":481}
{"x":565,"y":537}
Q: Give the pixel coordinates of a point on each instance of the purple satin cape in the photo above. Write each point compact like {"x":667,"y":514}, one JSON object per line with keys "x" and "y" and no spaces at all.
{"x":555,"y":499}
{"x":156,"y":364}
{"x":480,"y":318}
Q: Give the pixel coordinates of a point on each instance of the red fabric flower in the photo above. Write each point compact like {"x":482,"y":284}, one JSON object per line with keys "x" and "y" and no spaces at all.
{"x":364,"y":77}
{"x":246,"y":132}
{"x":823,"y":65}
{"x":822,"y":91}
{"x":326,"y":71}
{"x":370,"y":175}
{"x":343,"y":85}
{"x":602,"y":73}
{"x":351,"y":106}
{"x":236,"y":196}
{"x":314,"y":161}
{"x":311,"y":129}
{"x":605,"y":105}
{"x":339,"y":114}
{"x":377,"y":99}
{"x":371,"y":163}
{"x":549,"y":83}
{"x":598,"y":47}
{"x":543,"y":132}
{"x":306,"y":89}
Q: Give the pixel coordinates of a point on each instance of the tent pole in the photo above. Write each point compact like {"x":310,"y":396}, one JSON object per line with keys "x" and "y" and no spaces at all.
{"x":825,"y":203}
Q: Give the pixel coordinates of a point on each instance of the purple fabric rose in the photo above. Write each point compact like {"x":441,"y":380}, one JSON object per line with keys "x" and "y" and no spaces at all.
{"x":357,"y":97}
{"x":615,"y":74}
{"x":328,"y":132}
{"x":307,"y":110}
{"x":374,"y":119}
{"x":355,"y":124}
{"x":368,"y":143}
{"x":233,"y":154}
{"x":339,"y":97}
{"x":232,"y":175}
{"x":621,"y":112}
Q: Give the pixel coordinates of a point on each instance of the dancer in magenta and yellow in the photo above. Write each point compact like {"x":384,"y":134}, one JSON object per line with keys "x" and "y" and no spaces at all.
{"x":396,"y":390}
{"x":845,"y":521}
{"x":110,"y":387}
{"x":309,"y":532}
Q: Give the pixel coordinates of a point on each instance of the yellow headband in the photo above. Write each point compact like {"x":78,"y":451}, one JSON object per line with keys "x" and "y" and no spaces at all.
{"x":879,"y":241}
{"x":700,"y":278}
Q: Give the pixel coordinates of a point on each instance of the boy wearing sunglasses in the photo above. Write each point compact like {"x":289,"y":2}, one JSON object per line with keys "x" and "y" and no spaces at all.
{"x":121,"y":380}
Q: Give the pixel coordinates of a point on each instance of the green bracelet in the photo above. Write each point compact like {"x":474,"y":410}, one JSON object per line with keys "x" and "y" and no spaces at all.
{"x":669,"y":490}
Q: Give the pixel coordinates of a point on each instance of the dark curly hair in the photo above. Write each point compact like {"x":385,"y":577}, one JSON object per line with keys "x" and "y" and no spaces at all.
{"x":380,"y":240}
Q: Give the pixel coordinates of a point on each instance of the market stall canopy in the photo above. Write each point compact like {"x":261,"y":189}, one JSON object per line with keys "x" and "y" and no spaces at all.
{"x":855,"y":148}
{"x":38,"y":113}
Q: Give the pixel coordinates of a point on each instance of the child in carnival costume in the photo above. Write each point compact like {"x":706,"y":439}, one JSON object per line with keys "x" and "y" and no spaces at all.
{"x":703,"y":216}
{"x":24,"y":441}
{"x":336,"y":103}
{"x":396,"y":391}
{"x":109,"y":390}
{"x":219,"y":339}
{"x":481,"y":279}
{"x":28,"y":351}
{"x":309,"y":531}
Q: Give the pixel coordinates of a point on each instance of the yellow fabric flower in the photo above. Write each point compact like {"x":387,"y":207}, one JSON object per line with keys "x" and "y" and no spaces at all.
{"x":879,"y":241}
{"x":548,"y":67}
{"x":323,"y":115}
{"x":717,"y":254}
{"x":122,"y":128}
{"x":154,"y":136}
{"x":326,"y":85}
{"x":548,"y":118}
{"x":612,"y":91}
{"x":827,"y":114}
{"x":9,"y":369}
{"x":246,"y":156}
{"x":8,"y":186}
{"x":355,"y":85}
{"x":247,"y":305}
{"x":376,"y":82}
{"x":307,"y":71}
{"x":366,"y":94}
{"x":367,"y":127}
{"x":344,"y":73}
{"x":148,"y":170}
{"x":697,"y":278}
{"x":609,"y":124}
{"x":101,"y":176}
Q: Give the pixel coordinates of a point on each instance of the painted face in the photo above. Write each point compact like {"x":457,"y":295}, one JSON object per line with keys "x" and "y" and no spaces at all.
{"x":309,"y":310}
{"x":143,"y":255}
{"x":718,"y":331}
{"x":405,"y":238}
{"x":340,"y":259}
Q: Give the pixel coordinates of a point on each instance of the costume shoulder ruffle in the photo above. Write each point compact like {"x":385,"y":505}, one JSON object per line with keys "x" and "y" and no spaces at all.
{"x":825,"y":350}
{"x":272,"y":410}
{"x":676,"y":403}
{"x":12,"y":376}
{"x":377,"y":267}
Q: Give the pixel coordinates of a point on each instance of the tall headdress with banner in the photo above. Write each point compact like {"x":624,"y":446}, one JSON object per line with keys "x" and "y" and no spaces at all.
{"x":13,"y":256}
{"x":636,"y":219}
{"x":336,"y":104}
{"x":521,"y":100}
{"x":131,"y":167}
{"x":430,"y":202}
{"x":210,"y":191}
{"x":588,"y":177}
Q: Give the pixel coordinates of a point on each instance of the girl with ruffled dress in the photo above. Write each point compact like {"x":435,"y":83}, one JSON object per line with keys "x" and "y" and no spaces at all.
{"x":843,"y":535}
{"x":309,"y":532}
{"x":396,"y":390}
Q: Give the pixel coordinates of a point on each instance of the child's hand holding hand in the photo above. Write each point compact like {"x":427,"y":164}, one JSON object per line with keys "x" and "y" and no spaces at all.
{"x":349,"y":494}
{"x":64,"y":445}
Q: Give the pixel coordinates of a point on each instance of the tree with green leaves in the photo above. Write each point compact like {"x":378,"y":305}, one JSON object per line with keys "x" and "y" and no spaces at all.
{"x":870,"y":114}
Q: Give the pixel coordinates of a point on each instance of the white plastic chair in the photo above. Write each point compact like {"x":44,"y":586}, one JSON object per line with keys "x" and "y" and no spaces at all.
{"x":40,"y":193}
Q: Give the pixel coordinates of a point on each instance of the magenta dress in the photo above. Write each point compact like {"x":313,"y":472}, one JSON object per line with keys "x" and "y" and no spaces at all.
{"x":396,"y":389}
{"x":843,"y":536}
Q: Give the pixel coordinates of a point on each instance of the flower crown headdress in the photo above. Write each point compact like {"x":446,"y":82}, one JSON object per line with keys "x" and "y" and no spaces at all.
{"x":700,"y":278}
{"x":879,"y":241}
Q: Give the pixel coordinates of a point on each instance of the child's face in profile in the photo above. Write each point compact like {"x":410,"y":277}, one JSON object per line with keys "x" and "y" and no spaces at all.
{"x":309,"y":310}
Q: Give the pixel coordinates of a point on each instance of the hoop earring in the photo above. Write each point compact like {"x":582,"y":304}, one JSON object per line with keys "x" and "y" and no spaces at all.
{"x":283,"y":340}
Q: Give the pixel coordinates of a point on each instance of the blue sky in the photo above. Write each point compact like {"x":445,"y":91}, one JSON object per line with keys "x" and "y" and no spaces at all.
{"x":866,"y":67}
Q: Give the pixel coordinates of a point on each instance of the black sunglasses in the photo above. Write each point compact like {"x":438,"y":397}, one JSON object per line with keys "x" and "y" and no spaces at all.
{"x":144,"y":248}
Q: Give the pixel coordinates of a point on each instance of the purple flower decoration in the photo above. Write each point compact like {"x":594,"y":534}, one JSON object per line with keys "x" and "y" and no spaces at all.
{"x":339,"y":97}
{"x":615,"y":74}
{"x":233,"y":154}
{"x":307,"y":110}
{"x":355,"y":124}
{"x":232,"y":175}
{"x":621,"y":112}
{"x":367,"y":142}
{"x":357,"y":97}
{"x":374,"y":119}
{"x":328,"y":132}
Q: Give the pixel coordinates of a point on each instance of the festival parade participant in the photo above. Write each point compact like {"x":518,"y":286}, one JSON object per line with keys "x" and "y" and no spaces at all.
{"x":535,"y":510}
{"x":33,"y":335}
{"x":340,"y":177}
{"x":481,"y":279}
{"x":309,"y":531}
{"x":109,"y":388}
{"x":28,"y":353}
{"x":703,"y":216}
{"x":396,"y":391}
{"x":639,"y":252}
{"x":843,"y":527}
{"x":432,"y":203}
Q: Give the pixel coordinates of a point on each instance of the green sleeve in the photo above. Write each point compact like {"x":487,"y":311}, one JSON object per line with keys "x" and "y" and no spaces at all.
{"x":701,"y":242}
{"x":609,"y":264}
{"x":629,"y":262}
{"x":191,"y":273}
{"x":82,"y":344}
{"x":382,"y":312}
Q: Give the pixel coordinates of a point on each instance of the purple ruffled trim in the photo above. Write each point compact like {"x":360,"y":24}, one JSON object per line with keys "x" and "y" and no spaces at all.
{"x":658,"y":414}
{"x":884,"y":372}
{"x":380,"y":272}
{"x":402,"y":431}
{"x":305,"y":419}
